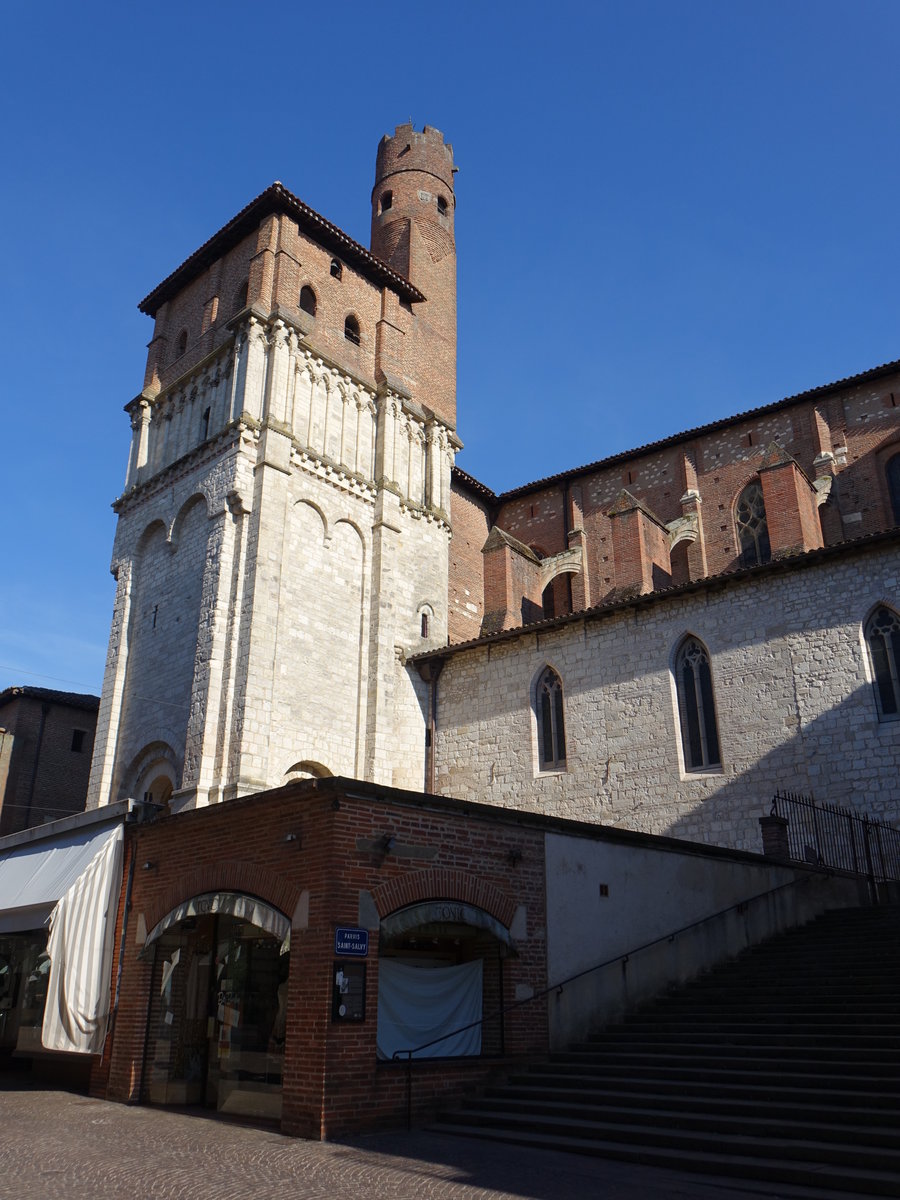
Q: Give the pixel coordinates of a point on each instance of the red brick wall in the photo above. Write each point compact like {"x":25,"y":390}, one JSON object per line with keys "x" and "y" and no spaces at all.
{"x":47,"y":779}
{"x":859,"y":424}
{"x":333,"y":1082}
{"x":418,"y":242}
{"x":791,"y":512}
{"x":471,"y":522}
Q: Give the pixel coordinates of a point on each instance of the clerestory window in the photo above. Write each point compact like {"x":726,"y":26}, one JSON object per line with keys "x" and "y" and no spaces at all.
{"x":696,"y":707}
{"x":883,"y":641}
{"x":752,"y":528}
{"x":550,"y":722}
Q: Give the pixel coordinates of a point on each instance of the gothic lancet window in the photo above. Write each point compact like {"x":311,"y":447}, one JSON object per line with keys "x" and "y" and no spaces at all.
{"x":696,"y":706}
{"x":752,"y":529}
{"x":550,"y":722}
{"x":883,"y":641}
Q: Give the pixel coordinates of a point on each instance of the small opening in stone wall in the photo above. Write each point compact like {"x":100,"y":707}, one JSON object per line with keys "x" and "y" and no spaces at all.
{"x":441,"y":206}
{"x":351,"y":330}
{"x":424,"y":625}
{"x":78,"y":740}
{"x":387,"y":199}
{"x":204,"y":425}
{"x":240,"y":296}
{"x":337,"y":270}
{"x":181,"y":344}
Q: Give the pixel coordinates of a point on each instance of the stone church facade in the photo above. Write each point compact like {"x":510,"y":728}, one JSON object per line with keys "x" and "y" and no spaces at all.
{"x":307,"y":585}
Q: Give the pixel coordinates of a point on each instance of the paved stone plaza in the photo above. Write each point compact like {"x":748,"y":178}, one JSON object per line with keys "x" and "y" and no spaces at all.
{"x":59,"y":1146}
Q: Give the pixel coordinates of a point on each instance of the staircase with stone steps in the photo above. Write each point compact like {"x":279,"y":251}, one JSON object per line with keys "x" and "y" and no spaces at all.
{"x":781,"y":1065}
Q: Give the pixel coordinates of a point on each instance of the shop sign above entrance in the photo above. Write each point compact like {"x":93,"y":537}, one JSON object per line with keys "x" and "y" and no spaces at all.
{"x":354,"y":942}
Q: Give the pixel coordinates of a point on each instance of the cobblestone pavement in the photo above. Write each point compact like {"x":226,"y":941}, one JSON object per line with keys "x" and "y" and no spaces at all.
{"x":59,"y":1146}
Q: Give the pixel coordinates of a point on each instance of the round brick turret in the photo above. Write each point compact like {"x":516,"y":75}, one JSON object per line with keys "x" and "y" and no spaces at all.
{"x":413,"y":205}
{"x":413,"y":181}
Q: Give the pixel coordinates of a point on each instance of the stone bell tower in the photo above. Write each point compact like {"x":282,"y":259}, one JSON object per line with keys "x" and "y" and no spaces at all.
{"x":284,"y":531}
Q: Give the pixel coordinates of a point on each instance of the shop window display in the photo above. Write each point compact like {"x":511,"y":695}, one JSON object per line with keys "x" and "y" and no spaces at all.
{"x":24,"y":972}
{"x":218,"y":1017}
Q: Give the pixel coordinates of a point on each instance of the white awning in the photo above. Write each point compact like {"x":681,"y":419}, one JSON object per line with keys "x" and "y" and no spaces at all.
{"x":34,"y":876}
{"x":80,"y":946}
{"x":234,"y":904}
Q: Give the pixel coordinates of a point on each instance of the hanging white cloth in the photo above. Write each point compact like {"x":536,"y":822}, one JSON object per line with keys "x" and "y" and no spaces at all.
{"x":418,"y":1004}
{"x":80,"y":946}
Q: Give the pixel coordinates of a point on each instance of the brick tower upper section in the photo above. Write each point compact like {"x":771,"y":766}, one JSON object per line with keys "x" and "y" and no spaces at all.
{"x":413,"y":207}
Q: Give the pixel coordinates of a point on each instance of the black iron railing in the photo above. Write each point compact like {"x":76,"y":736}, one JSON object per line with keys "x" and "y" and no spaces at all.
{"x":740,"y":906}
{"x":825,"y":835}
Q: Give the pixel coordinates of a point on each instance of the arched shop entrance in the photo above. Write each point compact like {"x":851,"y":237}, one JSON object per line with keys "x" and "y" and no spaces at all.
{"x":216,"y":1028}
{"x":440,"y":969}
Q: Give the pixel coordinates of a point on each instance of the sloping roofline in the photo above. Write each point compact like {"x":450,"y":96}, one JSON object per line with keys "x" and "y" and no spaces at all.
{"x":687,"y":435}
{"x":276,"y":198}
{"x":72,"y":699}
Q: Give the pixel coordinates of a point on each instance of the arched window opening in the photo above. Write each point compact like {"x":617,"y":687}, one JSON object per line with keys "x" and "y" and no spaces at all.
{"x":424,"y":625}
{"x":883,"y":641}
{"x":551,"y":723}
{"x":696,"y":707}
{"x":893,"y":482}
{"x":240,"y":296}
{"x":441,"y":206}
{"x":752,"y":528}
{"x":181,"y":344}
{"x":308,"y":300}
{"x":351,"y":330}
{"x":440,"y":968}
{"x":336,"y":269}
{"x":387,"y":199}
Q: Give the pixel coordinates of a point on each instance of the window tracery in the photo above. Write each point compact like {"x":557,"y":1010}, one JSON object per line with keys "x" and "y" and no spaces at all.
{"x":696,"y":707}
{"x":883,"y":642}
{"x":550,"y":722}
{"x":752,"y":526}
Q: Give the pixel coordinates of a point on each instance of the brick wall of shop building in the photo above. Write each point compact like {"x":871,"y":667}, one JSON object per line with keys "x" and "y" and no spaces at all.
{"x":330,"y":876}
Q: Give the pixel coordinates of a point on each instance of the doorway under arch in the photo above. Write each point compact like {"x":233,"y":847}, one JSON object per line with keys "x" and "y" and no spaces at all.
{"x":216,"y":1032}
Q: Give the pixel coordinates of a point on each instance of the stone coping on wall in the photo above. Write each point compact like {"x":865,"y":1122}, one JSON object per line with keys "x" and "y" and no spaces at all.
{"x":791,"y":562}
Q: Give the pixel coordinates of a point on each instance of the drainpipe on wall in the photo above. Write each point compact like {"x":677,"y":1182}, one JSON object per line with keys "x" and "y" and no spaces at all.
{"x":127,"y":909}
{"x":430,"y":671}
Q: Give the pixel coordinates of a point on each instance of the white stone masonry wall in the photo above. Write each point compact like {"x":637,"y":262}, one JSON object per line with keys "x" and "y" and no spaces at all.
{"x":792,"y":688}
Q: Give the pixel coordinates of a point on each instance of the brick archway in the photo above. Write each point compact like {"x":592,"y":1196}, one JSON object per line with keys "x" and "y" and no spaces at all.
{"x":228,"y":877}
{"x":440,"y":884}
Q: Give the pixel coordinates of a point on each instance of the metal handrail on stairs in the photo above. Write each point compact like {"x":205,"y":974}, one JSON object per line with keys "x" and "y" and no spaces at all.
{"x":561,"y":984}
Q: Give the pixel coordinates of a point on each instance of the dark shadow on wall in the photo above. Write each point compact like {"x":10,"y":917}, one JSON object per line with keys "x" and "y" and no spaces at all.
{"x":844,"y":757}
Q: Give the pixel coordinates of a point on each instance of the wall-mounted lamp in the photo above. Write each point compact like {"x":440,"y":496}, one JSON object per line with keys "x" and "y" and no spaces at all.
{"x":148,"y":866}
{"x":291,"y":837}
{"x":388,"y":842}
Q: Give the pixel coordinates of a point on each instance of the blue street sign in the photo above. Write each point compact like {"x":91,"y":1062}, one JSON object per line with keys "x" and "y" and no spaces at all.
{"x":354,"y":942}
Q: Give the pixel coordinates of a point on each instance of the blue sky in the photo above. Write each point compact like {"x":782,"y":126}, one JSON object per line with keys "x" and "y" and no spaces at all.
{"x":667,"y":213}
